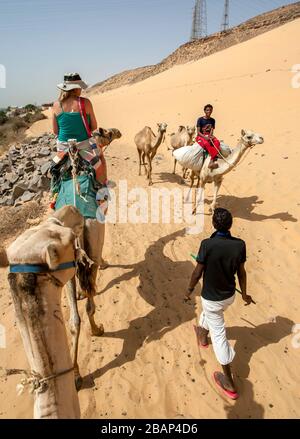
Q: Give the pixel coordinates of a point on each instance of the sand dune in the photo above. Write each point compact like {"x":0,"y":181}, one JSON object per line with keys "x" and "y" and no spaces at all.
{"x":147,"y":364}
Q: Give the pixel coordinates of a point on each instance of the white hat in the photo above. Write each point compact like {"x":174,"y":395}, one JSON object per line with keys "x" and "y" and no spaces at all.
{"x":72,"y":81}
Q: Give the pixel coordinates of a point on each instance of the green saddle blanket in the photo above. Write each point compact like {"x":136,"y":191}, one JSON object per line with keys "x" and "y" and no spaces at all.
{"x":86,"y":203}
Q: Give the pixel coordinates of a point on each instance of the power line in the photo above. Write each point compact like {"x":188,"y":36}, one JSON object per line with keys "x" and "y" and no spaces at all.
{"x":199,"y":25}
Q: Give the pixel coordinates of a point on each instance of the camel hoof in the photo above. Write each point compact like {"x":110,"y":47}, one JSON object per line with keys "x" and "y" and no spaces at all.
{"x":98,"y":331}
{"x":78,"y":382}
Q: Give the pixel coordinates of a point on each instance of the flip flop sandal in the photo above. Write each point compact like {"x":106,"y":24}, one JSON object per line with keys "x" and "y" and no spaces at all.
{"x":202,"y":346}
{"x":231,"y":395}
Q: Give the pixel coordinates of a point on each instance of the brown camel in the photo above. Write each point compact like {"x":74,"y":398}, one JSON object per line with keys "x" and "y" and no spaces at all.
{"x":147,"y":145}
{"x":104,"y":137}
{"x":37,"y":301}
{"x":183,"y":137}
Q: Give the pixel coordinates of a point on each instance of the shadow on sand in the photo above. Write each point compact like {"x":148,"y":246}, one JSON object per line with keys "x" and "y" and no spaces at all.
{"x":244,"y":208}
{"x":163,"y":283}
{"x":248,"y":342}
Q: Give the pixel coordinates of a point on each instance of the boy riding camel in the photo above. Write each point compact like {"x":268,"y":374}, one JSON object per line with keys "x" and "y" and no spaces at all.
{"x":206,"y":139}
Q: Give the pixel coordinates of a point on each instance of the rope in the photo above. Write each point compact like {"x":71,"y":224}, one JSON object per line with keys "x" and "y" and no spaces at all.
{"x":230,"y":164}
{"x":33,"y":380}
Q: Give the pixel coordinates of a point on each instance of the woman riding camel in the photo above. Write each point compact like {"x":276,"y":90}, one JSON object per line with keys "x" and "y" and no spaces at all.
{"x":73,"y":117}
{"x":206,"y":139}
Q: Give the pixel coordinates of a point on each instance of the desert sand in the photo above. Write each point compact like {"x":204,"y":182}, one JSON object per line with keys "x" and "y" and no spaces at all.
{"x":147,"y":365}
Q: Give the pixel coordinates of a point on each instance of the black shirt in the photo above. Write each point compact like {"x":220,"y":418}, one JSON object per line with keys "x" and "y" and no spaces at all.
{"x":221,"y":256}
{"x":206,"y":125}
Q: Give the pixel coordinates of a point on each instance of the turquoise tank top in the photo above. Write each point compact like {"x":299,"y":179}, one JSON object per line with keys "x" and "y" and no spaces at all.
{"x":70,"y":126}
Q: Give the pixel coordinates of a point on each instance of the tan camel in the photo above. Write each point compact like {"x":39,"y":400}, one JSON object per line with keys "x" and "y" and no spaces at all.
{"x":215,"y":176}
{"x":37,"y":301}
{"x":183,"y":137}
{"x":91,"y":240}
{"x":147,"y":145}
{"x":104,"y":137}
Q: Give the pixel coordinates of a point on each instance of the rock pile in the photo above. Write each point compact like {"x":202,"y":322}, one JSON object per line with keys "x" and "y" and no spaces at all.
{"x":23,"y":171}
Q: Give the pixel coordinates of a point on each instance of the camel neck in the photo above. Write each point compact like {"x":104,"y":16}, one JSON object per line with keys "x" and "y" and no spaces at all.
{"x":158,"y":140}
{"x":237,"y":153}
{"x":42,"y":328}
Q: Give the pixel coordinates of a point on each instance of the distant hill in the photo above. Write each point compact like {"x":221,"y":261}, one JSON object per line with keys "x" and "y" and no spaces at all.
{"x":196,"y":50}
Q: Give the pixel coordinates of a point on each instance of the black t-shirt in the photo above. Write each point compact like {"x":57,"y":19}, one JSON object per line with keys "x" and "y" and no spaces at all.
{"x":206,"y":125}
{"x":221,"y":256}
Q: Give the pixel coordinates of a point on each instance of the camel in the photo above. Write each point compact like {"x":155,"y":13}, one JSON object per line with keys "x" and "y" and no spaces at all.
{"x":183,"y":137}
{"x":147,"y":145}
{"x":37,"y":302}
{"x":215,"y":176}
{"x":104,"y":137}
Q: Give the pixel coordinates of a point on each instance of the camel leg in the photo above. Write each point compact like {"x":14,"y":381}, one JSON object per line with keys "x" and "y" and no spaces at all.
{"x":149,"y":174}
{"x":143,"y":162}
{"x":140,"y":161}
{"x":175,"y":161}
{"x":195,"y":195}
{"x":74,"y":323}
{"x":91,"y":307}
{"x":217,"y":185}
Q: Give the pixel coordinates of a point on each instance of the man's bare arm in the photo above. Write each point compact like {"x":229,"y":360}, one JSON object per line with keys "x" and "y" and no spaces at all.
{"x":196,"y":276}
{"x":242,"y":276}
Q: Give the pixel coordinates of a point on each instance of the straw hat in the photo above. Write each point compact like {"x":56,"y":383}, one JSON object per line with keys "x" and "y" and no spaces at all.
{"x":72,"y":81}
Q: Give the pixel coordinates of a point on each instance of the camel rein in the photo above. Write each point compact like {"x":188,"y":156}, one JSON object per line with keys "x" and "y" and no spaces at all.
{"x":228,"y":163}
{"x":34,"y":380}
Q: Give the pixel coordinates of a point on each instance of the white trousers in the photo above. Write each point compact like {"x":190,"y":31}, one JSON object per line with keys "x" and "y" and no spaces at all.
{"x":212,"y":319}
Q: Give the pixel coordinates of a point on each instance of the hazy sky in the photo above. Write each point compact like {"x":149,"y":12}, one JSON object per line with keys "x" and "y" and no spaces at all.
{"x":42,"y":39}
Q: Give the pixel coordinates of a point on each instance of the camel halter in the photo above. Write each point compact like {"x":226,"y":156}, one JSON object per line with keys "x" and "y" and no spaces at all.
{"x":33,"y":380}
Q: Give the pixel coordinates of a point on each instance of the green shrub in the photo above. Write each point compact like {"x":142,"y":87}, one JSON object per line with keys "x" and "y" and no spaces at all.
{"x":3,"y":117}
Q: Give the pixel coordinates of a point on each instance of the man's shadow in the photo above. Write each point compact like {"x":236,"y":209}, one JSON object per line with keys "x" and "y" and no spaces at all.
{"x":248,"y":341}
{"x":162,"y":285}
{"x":243,"y":207}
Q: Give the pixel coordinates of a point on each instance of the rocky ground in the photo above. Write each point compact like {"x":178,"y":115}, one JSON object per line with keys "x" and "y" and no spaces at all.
{"x":23,"y":171}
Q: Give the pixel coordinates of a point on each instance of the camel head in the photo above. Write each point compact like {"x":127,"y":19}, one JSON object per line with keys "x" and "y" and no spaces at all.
{"x":104,"y":137}
{"x":52,"y":242}
{"x":162,"y":127}
{"x":191,"y":131}
{"x":69,"y":216}
{"x":249,"y":138}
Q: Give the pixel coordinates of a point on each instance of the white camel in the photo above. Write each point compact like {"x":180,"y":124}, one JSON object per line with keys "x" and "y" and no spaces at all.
{"x":183,"y":137}
{"x":226,"y":164}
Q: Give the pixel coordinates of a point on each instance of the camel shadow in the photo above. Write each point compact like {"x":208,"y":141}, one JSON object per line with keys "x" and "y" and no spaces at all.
{"x":162,"y":285}
{"x":243,"y":207}
{"x":169,"y":177}
{"x":248,"y":341}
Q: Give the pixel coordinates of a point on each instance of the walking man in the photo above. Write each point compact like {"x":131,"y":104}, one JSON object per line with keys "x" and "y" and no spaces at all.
{"x":220,"y":257}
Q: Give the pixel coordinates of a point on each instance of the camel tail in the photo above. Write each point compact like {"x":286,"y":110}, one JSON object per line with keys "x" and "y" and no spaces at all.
{"x":3,"y":258}
{"x":85,"y":270}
